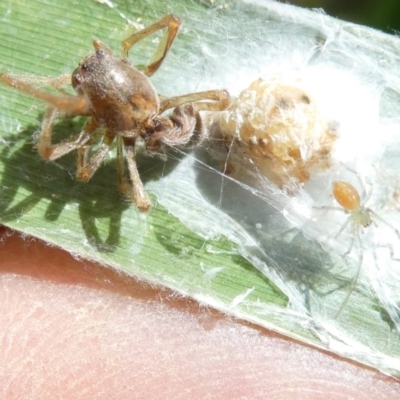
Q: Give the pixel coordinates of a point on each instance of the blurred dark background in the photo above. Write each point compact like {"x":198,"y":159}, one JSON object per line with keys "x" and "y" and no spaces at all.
{"x":380,"y":14}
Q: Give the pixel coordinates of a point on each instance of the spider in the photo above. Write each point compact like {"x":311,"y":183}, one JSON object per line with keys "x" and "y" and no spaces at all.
{"x":360,"y":217}
{"x":122,"y":104}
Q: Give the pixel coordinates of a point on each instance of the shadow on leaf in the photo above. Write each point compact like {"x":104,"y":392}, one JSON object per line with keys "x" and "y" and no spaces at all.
{"x":28,"y":181}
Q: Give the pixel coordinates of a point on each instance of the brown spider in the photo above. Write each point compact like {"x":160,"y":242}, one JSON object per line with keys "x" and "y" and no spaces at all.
{"x":123,"y":104}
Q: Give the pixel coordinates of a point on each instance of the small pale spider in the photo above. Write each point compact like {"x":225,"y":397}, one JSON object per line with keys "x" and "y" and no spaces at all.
{"x":349,"y":198}
{"x":360,"y":217}
{"x":122,"y":104}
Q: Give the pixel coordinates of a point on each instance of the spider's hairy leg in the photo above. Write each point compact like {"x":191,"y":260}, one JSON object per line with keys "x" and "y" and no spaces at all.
{"x":87,"y":167}
{"x":99,"y":45}
{"x":123,"y":184}
{"x":51,"y":152}
{"x":57,"y":83}
{"x":74,"y":105}
{"x":220,"y":100}
{"x":182,"y":129}
{"x":136,"y":191}
{"x":172,"y":23}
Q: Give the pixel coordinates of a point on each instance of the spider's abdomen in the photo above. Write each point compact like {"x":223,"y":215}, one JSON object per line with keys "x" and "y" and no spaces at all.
{"x":346,"y":195}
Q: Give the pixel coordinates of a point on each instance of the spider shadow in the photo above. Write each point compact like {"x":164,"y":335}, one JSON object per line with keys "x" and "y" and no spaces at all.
{"x":299,"y":261}
{"x":54,"y":183}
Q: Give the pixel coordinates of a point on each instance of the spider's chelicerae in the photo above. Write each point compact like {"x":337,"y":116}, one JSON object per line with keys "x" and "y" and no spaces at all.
{"x":122,"y":104}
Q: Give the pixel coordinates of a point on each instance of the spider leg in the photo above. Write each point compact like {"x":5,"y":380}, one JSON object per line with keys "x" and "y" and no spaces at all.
{"x":57,"y":83}
{"x":122,"y":181}
{"x":74,"y":105}
{"x":61,"y":81}
{"x":343,"y":227}
{"x":52,"y":152}
{"x":88,"y":166}
{"x":182,"y":129}
{"x":356,"y":275}
{"x":220,"y":100}
{"x":172,"y":23}
{"x":328,"y":208}
{"x":380,"y":219}
{"x":136,"y":191}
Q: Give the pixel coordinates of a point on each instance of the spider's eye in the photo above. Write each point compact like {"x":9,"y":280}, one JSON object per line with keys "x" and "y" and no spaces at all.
{"x":100,"y":53}
{"x":84,"y":66}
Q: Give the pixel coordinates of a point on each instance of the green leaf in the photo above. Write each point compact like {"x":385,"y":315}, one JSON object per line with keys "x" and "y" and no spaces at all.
{"x":202,"y":238}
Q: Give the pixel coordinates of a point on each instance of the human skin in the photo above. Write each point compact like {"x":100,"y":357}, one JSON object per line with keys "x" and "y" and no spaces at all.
{"x":74,"y":329}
